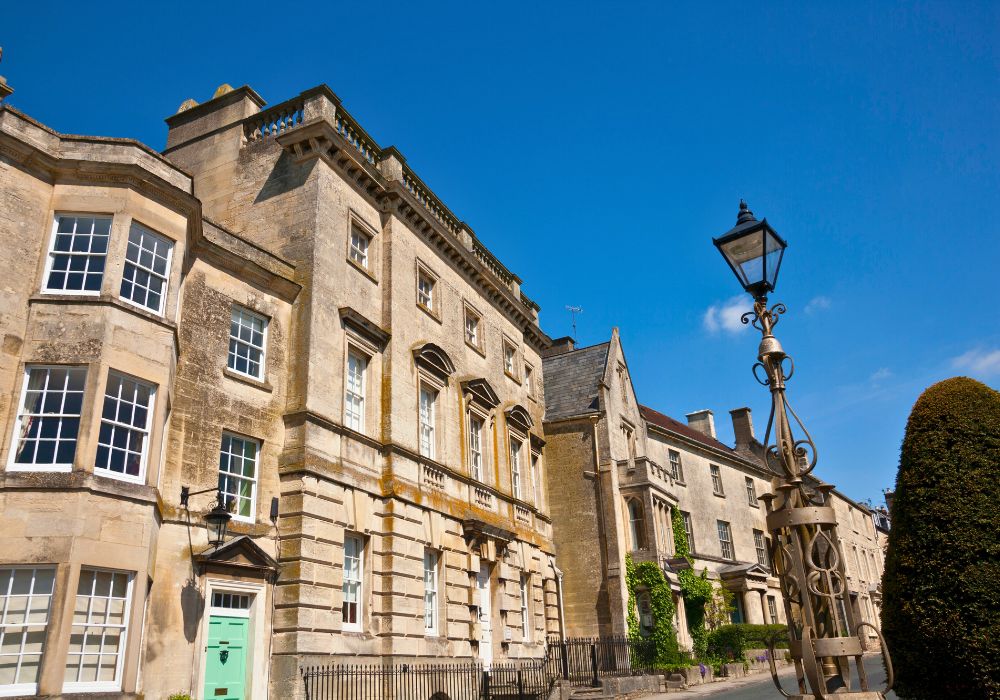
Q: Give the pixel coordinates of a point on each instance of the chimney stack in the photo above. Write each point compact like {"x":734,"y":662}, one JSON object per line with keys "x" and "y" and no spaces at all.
{"x":703,"y":421}
{"x":742,"y":427}
{"x":560,"y":346}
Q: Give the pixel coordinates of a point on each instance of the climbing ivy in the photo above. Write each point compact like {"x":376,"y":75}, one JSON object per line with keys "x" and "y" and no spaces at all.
{"x":696,"y":589}
{"x":649,"y":576}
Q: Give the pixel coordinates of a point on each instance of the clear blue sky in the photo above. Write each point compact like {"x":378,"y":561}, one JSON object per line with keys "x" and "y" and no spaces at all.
{"x":597,"y":148}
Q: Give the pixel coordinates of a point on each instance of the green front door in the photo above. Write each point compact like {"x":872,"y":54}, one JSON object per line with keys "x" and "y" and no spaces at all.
{"x":226,"y":662}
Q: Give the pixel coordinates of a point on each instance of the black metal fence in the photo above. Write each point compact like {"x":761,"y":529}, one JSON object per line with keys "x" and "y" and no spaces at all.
{"x":584,"y":661}
{"x":576,"y":661}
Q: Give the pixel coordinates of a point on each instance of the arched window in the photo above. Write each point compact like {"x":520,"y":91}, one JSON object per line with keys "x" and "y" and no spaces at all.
{"x":636,"y":525}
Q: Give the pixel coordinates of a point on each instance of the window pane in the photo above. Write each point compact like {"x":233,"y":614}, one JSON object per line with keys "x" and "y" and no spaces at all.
{"x":238,"y":473}
{"x":123,"y":432}
{"x":80,"y":244}
{"x":144,"y":277}
{"x":95,"y":648}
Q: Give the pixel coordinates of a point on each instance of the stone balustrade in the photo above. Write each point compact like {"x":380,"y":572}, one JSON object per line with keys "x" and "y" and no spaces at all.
{"x":275,"y":120}
{"x":322,"y":103}
{"x":483,"y":498}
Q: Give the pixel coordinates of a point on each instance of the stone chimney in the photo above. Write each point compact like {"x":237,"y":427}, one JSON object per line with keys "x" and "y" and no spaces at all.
{"x":205,"y":140}
{"x":703,"y":421}
{"x":742,"y":427}
{"x":560,"y":346}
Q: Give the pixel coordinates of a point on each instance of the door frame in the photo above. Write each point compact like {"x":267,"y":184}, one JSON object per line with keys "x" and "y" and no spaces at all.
{"x":257,"y":637}
{"x":488,"y":605}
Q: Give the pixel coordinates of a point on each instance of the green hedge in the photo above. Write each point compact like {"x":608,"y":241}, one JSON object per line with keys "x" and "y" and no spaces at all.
{"x":730,"y":642}
{"x":941,"y":589}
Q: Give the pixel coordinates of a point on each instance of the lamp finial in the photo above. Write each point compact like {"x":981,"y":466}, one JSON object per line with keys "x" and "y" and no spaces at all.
{"x":745,"y":214}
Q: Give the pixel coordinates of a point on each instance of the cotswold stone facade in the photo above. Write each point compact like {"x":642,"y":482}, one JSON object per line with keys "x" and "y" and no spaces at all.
{"x":621,"y":468}
{"x":277,"y":307}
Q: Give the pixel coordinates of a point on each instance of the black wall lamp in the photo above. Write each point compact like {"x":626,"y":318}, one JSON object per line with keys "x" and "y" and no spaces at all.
{"x":216,"y":519}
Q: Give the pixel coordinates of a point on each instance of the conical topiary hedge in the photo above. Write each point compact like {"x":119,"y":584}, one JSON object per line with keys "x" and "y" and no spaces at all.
{"x":941,"y":590}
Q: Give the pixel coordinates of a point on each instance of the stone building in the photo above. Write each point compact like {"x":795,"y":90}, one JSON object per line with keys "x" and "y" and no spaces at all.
{"x":624,"y":467}
{"x":279,"y":308}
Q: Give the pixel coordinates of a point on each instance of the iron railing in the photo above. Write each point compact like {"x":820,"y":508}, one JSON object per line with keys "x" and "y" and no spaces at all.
{"x":581,"y":662}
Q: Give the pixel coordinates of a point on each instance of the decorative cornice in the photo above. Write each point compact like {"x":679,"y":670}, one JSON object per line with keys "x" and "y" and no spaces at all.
{"x":368,"y":330}
{"x":435,"y":360}
{"x":481,"y":392}
{"x":518,"y":416}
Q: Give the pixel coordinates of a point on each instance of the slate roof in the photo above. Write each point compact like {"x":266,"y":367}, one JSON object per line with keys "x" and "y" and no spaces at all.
{"x":571,"y":381}
{"x":668,"y":423}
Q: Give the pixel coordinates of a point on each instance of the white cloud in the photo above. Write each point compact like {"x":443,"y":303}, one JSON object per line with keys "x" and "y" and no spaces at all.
{"x":979,"y":361}
{"x":819,"y":303}
{"x":881,"y":374}
{"x":725,"y":316}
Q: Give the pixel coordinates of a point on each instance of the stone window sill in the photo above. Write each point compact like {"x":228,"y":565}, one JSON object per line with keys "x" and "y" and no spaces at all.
{"x":430,"y":312}
{"x":478,"y":349}
{"x":266,"y":386}
{"x":362,"y":269}
{"x":718,"y":495}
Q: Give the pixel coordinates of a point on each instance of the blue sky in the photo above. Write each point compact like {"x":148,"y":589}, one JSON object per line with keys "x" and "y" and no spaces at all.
{"x":597,"y":148}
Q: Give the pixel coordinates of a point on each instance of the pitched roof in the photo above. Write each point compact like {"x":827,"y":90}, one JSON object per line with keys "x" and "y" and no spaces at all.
{"x":571,"y":381}
{"x":667,"y":423}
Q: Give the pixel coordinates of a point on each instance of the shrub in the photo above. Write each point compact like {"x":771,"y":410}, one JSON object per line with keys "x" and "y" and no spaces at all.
{"x":941,"y":589}
{"x":727,"y":642}
{"x":730,"y":642}
{"x":179,"y":696}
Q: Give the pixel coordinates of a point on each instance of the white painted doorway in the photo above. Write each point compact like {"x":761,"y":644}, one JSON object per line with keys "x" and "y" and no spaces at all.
{"x":485,"y":616}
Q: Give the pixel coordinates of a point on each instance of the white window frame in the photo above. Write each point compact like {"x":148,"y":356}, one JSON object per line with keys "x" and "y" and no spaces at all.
{"x":24,"y":627}
{"x":355,"y":399}
{"x":265,"y":322}
{"x":751,"y":492}
{"x":432,"y":563}
{"x":535,"y":462}
{"x":529,"y":379}
{"x":354,"y":252}
{"x":165,"y":277}
{"x":772,"y":609}
{"x":476,"y":339}
{"x":145,"y":431}
{"x":477,"y":467}
{"x":515,"y":464}
{"x":424,"y":274}
{"x":525,"y":591}
{"x":510,"y":359}
{"x":676,"y":468}
{"x":233,"y":596}
{"x":725,"y":532}
{"x":358,"y":583}
{"x":52,"y":253}
{"x":238,"y":477}
{"x":637,"y":525}
{"x":104,"y":686}
{"x":688,"y":529}
{"x":760,"y":544}
{"x":427,"y":424}
{"x":716,"y":471}
{"x":19,"y":425}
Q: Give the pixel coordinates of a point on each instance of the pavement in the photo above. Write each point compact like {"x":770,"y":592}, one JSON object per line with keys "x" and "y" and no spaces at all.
{"x":760,"y":686}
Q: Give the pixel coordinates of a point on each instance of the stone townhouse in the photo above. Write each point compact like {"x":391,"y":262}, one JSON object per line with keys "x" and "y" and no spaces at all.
{"x":278,"y":308}
{"x":624,"y":467}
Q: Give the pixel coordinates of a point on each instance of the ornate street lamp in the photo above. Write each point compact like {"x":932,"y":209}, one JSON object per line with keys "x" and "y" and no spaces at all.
{"x":216,"y":519}
{"x":805,"y":549}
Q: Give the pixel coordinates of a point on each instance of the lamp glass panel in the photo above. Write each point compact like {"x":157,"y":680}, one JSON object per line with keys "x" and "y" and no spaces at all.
{"x":745,"y":254}
{"x":774,"y":249}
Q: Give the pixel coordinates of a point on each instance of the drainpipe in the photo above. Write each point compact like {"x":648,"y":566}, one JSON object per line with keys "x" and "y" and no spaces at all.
{"x":562,"y":615}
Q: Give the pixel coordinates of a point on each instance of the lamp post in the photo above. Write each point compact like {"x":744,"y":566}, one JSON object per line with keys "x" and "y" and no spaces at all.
{"x":808,"y":559}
